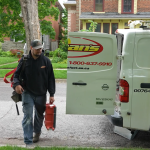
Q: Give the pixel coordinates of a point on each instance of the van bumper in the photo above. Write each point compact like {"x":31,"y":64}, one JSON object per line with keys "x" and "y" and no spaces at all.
{"x":115,"y":120}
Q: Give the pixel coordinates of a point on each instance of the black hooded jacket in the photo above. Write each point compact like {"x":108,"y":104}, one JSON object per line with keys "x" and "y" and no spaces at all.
{"x":38,"y":75}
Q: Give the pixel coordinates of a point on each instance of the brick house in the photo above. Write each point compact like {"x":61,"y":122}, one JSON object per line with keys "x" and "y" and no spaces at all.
{"x":109,"y":14}
{"x":50,"y":44}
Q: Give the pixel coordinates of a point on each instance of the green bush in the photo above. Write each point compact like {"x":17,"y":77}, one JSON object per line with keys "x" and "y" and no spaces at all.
{"x":64,"y":55}
{"x":51,"y":53}
{"x":16,"y":51}
{"x":63,"y":44}
{"x":5,"y":54}
{"x":57,"y":52}
{"x":56,"y":59}
{"x":63,"y":62}
{"x":59,"y":55}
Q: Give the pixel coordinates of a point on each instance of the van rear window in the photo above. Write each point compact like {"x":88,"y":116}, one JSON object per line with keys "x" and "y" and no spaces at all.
{"x":142,"y":53}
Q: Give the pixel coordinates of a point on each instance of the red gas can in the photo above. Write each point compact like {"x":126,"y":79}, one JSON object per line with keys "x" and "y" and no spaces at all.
{"x":50,"y":116}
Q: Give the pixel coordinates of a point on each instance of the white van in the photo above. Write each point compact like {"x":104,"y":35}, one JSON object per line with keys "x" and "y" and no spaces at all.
{"x":97,"y":62}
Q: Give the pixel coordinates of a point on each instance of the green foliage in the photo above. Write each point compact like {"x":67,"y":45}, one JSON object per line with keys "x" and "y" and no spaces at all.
{"x":5,"y":60}
{"x":84,"y":30}
{"x":64,"y":25}
{"x":56,"y":59}
{"x":63,"y":75}
{"x":11,"y":53}
{"x":60,"y":74}
{"x":15,"y":52}
{"x":59,"y":65}
{"x":51,"y":53}
{"x":9,"y":66}
{"x":63,"y":62}
{"x":0,"y":46}
{"x":46,"y":28}
{"x":6,"y":54}
{"x":11,"y":24}
{"x":92,"y":27}
{"x":10,"y":21}
{"x":45,"y":9}
{"x":64,"y":19}
{"x":59,"y":55}
{"x":63,"y":44}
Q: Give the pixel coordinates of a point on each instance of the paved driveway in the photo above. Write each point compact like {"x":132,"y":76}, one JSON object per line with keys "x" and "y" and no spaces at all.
{"x":71,"y":130}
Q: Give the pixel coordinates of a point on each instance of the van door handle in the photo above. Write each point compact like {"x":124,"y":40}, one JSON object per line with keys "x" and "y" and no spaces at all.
{"x":77,"y":83}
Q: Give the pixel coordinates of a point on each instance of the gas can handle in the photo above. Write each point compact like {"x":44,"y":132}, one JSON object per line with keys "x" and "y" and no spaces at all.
{"x":51,"y":103}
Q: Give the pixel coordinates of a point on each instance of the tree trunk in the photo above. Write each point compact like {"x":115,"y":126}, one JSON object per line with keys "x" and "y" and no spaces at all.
{"x":31,"y":21}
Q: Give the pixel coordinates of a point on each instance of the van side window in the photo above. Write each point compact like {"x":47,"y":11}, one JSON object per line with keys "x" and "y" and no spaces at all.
{"x":142,"y":52}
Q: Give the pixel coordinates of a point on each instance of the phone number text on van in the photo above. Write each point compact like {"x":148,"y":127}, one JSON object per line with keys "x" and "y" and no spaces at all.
{"x":90,"y":63}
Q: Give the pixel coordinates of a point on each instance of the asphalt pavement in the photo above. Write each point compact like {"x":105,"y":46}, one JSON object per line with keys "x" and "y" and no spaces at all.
{"x":71,"y":130}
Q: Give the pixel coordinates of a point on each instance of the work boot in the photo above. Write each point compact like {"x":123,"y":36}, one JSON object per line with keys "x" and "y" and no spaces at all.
{"x":36,"y":137}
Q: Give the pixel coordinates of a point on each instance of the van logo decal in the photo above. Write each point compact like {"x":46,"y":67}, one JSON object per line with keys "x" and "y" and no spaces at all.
{"x":94,"y":48}
{"x":105,"y":87}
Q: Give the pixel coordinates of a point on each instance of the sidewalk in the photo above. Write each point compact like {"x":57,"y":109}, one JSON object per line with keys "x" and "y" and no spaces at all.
{"x":9,"y":63}
{"x":11,"y":132}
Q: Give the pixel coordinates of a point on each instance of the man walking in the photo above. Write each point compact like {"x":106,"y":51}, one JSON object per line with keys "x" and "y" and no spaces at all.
{"x":38,"y":78}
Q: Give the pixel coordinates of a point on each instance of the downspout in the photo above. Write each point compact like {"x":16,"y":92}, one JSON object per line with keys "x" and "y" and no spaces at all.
{"x":79,"y":13}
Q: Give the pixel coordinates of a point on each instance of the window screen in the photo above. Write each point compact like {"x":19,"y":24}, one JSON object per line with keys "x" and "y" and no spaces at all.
{"x":87,"y":26}
{"x":114,"y":27}
{"x":98,"y":5}
{"x":98,"y":29}
{"x":106,"y":28}
{"x":143,"y":53}
{"x":127,"y":5}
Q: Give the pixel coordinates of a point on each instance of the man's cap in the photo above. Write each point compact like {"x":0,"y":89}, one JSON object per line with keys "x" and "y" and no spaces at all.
{"x":36,"y":44}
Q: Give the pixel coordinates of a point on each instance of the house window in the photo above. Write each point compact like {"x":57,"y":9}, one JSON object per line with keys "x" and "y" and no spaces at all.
{"x":106,"y":28}
{"x":99,"y":5}
{"x":87,"y":26}
{"x":114,"y":27}
{"x":127,"y":6}
{"x":98,"y":29}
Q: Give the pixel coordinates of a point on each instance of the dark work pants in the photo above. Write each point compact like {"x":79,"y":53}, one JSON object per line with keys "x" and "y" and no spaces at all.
{"x":30,"y":102}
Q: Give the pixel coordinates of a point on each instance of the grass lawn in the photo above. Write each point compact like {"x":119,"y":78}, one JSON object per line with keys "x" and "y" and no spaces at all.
{"x":14,"y":65}
{"x":59,"y":74}
{"x":63,"y":148}
{"x":57,"y":65}
{"x":9,"y":66}
{"x":5,"y":60}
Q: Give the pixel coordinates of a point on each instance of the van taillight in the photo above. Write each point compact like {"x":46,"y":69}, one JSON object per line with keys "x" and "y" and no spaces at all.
{"x":123,"y":91}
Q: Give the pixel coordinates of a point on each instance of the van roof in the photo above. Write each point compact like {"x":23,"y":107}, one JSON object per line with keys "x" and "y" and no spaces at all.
{"x":126,"y":31}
